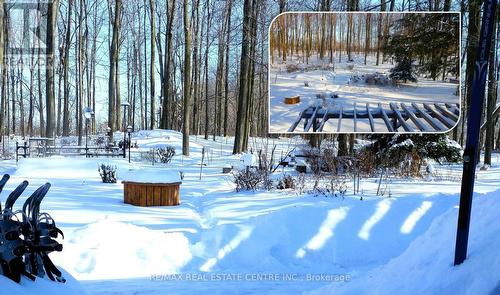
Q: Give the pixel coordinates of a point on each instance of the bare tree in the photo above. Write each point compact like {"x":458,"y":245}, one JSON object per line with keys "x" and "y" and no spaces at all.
{"x":187,"y":80}
{"x":242,"y":115}
{"x":49,"y":69}
{"x":166,"y":116}
{"x":2,"y":70}
{"x":152,"y":63}
{"x":113,"y":67}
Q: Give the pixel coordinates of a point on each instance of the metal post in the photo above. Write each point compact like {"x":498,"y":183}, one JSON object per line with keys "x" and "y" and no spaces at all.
{"x":129,"y":144}
{"x":124,"y":142}
{"x":473,"y":124}
{"x":124,"y":126}
{"x":86,"y":138}
{"x":202,"y":158}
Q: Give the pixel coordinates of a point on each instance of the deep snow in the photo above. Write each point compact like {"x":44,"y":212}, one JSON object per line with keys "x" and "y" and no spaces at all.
{"x":218,"y":240}
{"x":326,"y":82}
{"x":426,"y":266}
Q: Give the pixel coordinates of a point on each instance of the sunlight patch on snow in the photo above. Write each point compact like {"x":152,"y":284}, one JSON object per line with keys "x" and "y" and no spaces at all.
{"x":235,"y":242}
{"x":109,"y":249}
{"x":415,"y":216}
{"x":325,"y":232}
{"x":382,"y":209}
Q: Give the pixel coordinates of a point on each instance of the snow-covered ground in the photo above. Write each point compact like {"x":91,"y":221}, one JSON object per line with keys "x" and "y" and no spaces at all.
{"x":326,"y":82}
{"x":219,"y":241}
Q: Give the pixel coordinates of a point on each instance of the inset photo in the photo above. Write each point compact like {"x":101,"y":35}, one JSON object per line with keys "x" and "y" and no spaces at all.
{"x":364,"y":72}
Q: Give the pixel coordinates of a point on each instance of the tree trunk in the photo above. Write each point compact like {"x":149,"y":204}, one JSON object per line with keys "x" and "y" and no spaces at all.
{"x":226,"y":84}
{"x":66,"y":126}
{"x":166,"y":116}
{"x":152,"y":64}
{"x":473,"y":38}
{"x":113,"y":64}
{"x":2,"y":70}
{"x":187,"y":81}
{"x":367,"y":37}
{"x":492,"y":99}
{"x":207,"y":3}
{"x":242,"y":115}
{"x":49,"y":69}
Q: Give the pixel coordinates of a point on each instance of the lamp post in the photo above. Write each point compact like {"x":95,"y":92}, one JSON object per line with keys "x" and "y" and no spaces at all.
{"x":129,"y":130}
{"x":88,"y":113}
{"x":108,"y":131}
{"x":124,"y":105}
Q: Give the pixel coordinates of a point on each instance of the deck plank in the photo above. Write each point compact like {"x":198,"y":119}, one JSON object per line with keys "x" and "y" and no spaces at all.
{"x":387,"y":122}
{"x":433,"y":122}
{"x":311,"y":120}
{"x":396,"y":111}
{"x":446,"y":121}
{"x":370,"y":117}
{"x":340,"y":118}
{"x":355,"y":119}
{"x":447,"y":113}
{"x":414,"y":118}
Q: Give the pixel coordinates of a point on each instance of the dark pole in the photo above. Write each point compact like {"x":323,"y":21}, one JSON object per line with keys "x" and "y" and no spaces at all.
{"x":129,"y":144}
{"x":473,"y":125}
{"x":124,"y":129}
{"x":86,"y":137}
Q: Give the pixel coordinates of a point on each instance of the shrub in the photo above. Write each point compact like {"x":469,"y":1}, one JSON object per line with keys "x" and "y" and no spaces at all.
{"x":248,"y":179}
{"x":161,"y":155}
{"x":313,"y":159}
{"x":124,"y":142}
{"x":101,"y":140}
{"x":406,"y":153}
{"x":165,"y":154}
{"x":300,"y":183}
{"x":292,"y":68}
{"x":286,"y":182}
{"x":107,"y":172}
{"x":334,"y":187}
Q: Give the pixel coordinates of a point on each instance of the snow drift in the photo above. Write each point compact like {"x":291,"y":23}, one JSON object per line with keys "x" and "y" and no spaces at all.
{"x":115,"y":250}
{"x":426,"y":267}
{"x":42,"y":286}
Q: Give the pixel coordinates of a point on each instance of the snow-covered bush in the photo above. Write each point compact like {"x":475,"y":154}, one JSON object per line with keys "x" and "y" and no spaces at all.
{"x":107,"y":172}
{"x":165,"y":154}
{"x":100,"y":140}
{"x":313,"y":159}
{"x":286,"y":182}
{"x":300,"y":184}
{"x":248,"y":179}
{"x":149,"y":156}
{"x":124,"y":142}
{"x":257,"y":174}
{"x":407,"y":153}
{"x":333,"y":187}
{"x":292,"y":68}
{"x":159,"y":155}
{"x":379,"y":79}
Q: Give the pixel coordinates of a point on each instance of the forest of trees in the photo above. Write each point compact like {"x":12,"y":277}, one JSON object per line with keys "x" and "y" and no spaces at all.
{"x":429,"y":40}
{"x":197,"y":66}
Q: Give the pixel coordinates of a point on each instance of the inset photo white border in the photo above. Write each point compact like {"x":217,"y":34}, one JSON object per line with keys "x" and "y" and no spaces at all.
{"x":346,"y":90}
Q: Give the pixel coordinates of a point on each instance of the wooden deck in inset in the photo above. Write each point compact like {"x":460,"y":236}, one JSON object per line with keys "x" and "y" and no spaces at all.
{"x":414,"y":117}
